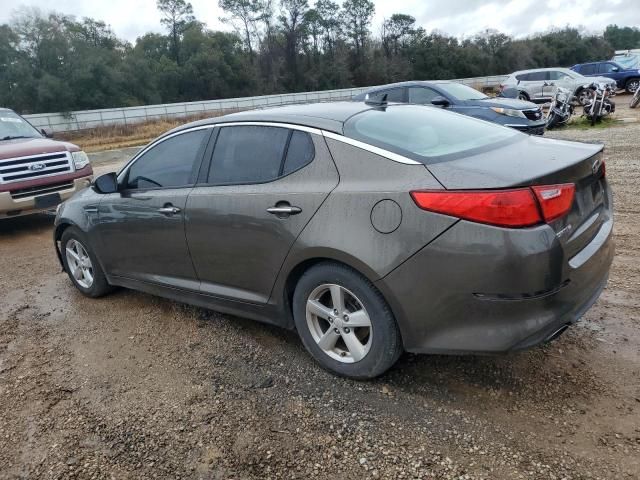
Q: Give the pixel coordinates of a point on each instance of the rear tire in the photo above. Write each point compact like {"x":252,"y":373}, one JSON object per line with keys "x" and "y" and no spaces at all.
{"x":344,"y":322}
{"x":81,"y":264}
{"x":523,"y":96}
{"x":632,"y":85}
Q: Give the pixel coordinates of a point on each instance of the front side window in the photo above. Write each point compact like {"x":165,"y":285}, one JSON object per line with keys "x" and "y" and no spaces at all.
{"x":248,"y":154}
{"x":462,"y":92}
{"x":170,"y":163}
{"x":608,"y":68}
{"x":428,"y":135}
{"x":13,"y":125}
{"x":422,"y":95}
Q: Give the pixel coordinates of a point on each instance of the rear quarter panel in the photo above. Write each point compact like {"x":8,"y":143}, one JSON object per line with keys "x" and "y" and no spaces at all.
{"x":342,"y":228}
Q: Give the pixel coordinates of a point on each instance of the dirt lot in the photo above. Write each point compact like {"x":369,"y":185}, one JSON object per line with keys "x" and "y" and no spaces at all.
{"x":132,"y":386}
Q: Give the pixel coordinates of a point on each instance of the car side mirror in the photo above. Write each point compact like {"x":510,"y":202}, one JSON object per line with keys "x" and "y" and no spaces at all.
{"x":47,"y":132}
{"x":615,"y":69}
{"x":107,"y":183}
{"x":440,"y":101}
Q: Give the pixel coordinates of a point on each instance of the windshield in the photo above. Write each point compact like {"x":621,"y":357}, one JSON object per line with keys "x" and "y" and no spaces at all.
{"x":13,"y":125}
{"x":461,"y":92}
{"x":427,"y":134}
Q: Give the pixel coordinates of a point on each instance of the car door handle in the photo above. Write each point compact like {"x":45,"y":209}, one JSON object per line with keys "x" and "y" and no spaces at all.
{"x":284,"y":210}
{"x":169,"y":210}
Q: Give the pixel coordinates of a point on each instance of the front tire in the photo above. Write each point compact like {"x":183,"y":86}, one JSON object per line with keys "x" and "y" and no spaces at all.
{"x":632,"y":85}
{"x":81,"y":264}
{"x":344,"y":322}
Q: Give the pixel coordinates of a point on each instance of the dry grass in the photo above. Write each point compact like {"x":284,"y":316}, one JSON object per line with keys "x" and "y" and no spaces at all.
{"x":122,"y":136}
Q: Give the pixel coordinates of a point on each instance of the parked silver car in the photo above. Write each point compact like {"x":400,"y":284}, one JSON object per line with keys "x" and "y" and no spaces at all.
{"x":539,"y":84}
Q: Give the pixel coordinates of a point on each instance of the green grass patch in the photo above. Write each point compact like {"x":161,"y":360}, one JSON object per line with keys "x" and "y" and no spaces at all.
{"x":583,"y":123}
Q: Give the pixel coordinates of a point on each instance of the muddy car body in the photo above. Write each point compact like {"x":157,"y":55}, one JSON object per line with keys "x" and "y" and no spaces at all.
{"x":394,"y":228}
{"x":36,"y":172}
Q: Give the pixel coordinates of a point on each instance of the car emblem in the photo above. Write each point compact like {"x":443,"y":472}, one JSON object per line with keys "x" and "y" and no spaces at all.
{"x":595,"y":168}
{"x":36,"y":167}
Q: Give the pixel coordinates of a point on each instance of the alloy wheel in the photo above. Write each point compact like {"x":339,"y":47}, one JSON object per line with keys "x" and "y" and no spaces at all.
{"x":79,"y":263}
{"x":633,"y":85}
{"x":339,"y":323}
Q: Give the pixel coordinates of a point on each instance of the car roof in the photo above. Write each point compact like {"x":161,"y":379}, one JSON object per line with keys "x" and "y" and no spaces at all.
{"x":410,"y":83}
{"x":542,"y":70}
{"x":323,"y":116}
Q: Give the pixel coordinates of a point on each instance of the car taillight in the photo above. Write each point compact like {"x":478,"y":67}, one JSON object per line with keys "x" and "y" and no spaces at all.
{"x":513,"y":208}
{"x":555,"y":200}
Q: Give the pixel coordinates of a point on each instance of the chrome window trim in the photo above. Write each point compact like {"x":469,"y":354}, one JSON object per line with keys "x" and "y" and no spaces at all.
{"x":370,"y":148}
{"x":316,"y":131}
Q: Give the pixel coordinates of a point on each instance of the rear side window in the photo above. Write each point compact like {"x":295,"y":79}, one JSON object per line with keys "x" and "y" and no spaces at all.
{"x":300,"y":152}
{"x":538,"y":76}
{"x":393,"y":95}
{"x":256,"y":154}
{"x":523,"y":77}
{"x":428,"y":135}
{"x":588,"y":69}
{"x":170,"y":163}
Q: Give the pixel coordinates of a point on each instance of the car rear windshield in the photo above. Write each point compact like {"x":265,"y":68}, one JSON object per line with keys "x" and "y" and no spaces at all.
{"x":13,"y":125}
{"x":427,"y":134}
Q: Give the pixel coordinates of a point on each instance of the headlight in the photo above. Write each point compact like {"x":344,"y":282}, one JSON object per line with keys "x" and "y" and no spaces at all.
{"x":509,"y":112}
{"x":80,"y":159}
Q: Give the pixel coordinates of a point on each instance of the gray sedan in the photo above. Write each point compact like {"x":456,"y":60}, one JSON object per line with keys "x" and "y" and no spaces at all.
{"x":369,"y":230}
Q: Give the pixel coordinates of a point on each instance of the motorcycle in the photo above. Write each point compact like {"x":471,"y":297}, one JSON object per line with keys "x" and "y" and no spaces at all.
{"x":599,"y":103}
{"x":561,"y":107}
{"x":635,"y":100}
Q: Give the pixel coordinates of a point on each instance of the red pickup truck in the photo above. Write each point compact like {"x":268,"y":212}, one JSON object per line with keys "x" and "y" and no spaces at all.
{"x":36,"y":173}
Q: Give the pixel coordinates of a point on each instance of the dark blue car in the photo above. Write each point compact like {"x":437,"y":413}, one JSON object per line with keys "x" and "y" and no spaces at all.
{"x":523,"y":116}
{"x":627,"y":78}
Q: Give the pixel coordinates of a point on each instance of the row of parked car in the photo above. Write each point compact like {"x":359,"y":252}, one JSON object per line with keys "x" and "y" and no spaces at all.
{"x":531,"y":87}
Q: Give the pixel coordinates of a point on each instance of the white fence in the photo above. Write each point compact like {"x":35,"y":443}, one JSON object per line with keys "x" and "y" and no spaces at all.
{"x":84,"y":119}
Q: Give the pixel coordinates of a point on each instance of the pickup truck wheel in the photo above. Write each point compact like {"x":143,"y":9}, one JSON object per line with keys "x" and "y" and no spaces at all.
{"x":81,"y":264}
{"x":632,"y":85}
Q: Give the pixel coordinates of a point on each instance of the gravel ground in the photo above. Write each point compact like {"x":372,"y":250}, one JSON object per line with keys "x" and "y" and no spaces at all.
{"x":132,"y":386}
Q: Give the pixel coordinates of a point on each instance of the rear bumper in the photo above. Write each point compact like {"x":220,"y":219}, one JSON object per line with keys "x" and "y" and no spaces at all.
{"x":502,"y":290}
{"x":15,"y":206}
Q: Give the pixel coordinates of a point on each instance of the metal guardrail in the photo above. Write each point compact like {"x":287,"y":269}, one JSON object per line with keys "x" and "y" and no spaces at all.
{"x":85,"y":119}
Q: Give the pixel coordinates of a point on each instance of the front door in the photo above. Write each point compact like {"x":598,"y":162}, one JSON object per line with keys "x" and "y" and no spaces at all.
{"x":141,"y":228}
{"x":264,"y":185}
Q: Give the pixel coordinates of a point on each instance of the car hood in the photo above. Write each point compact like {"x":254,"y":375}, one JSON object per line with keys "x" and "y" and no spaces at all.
{"x":22,"y":147}
{"x":515,"y":164}
{"x":499,"y":102}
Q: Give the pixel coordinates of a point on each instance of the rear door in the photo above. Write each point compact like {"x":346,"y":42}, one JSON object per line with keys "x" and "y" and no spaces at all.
{"x":141,"y":228}
{"x":263,"y":186}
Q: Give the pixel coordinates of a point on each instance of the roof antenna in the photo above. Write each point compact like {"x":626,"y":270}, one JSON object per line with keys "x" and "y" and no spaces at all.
{"x":376,"y":103}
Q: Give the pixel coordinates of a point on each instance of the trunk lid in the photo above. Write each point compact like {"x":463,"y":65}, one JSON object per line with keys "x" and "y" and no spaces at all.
{"x":537,"y":161}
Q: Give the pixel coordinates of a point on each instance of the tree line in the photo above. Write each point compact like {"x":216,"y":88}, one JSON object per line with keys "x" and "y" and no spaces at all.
{"x":56,"y":62}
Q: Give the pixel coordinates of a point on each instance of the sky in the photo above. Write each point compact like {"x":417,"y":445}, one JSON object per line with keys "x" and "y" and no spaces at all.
{"x":462,"y":18}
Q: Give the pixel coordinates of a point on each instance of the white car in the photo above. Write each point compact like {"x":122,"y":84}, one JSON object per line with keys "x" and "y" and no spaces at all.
{"x":539,"y":84}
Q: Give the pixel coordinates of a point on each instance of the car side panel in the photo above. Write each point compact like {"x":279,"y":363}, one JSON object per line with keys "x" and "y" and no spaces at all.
{"x":342,"y":228}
